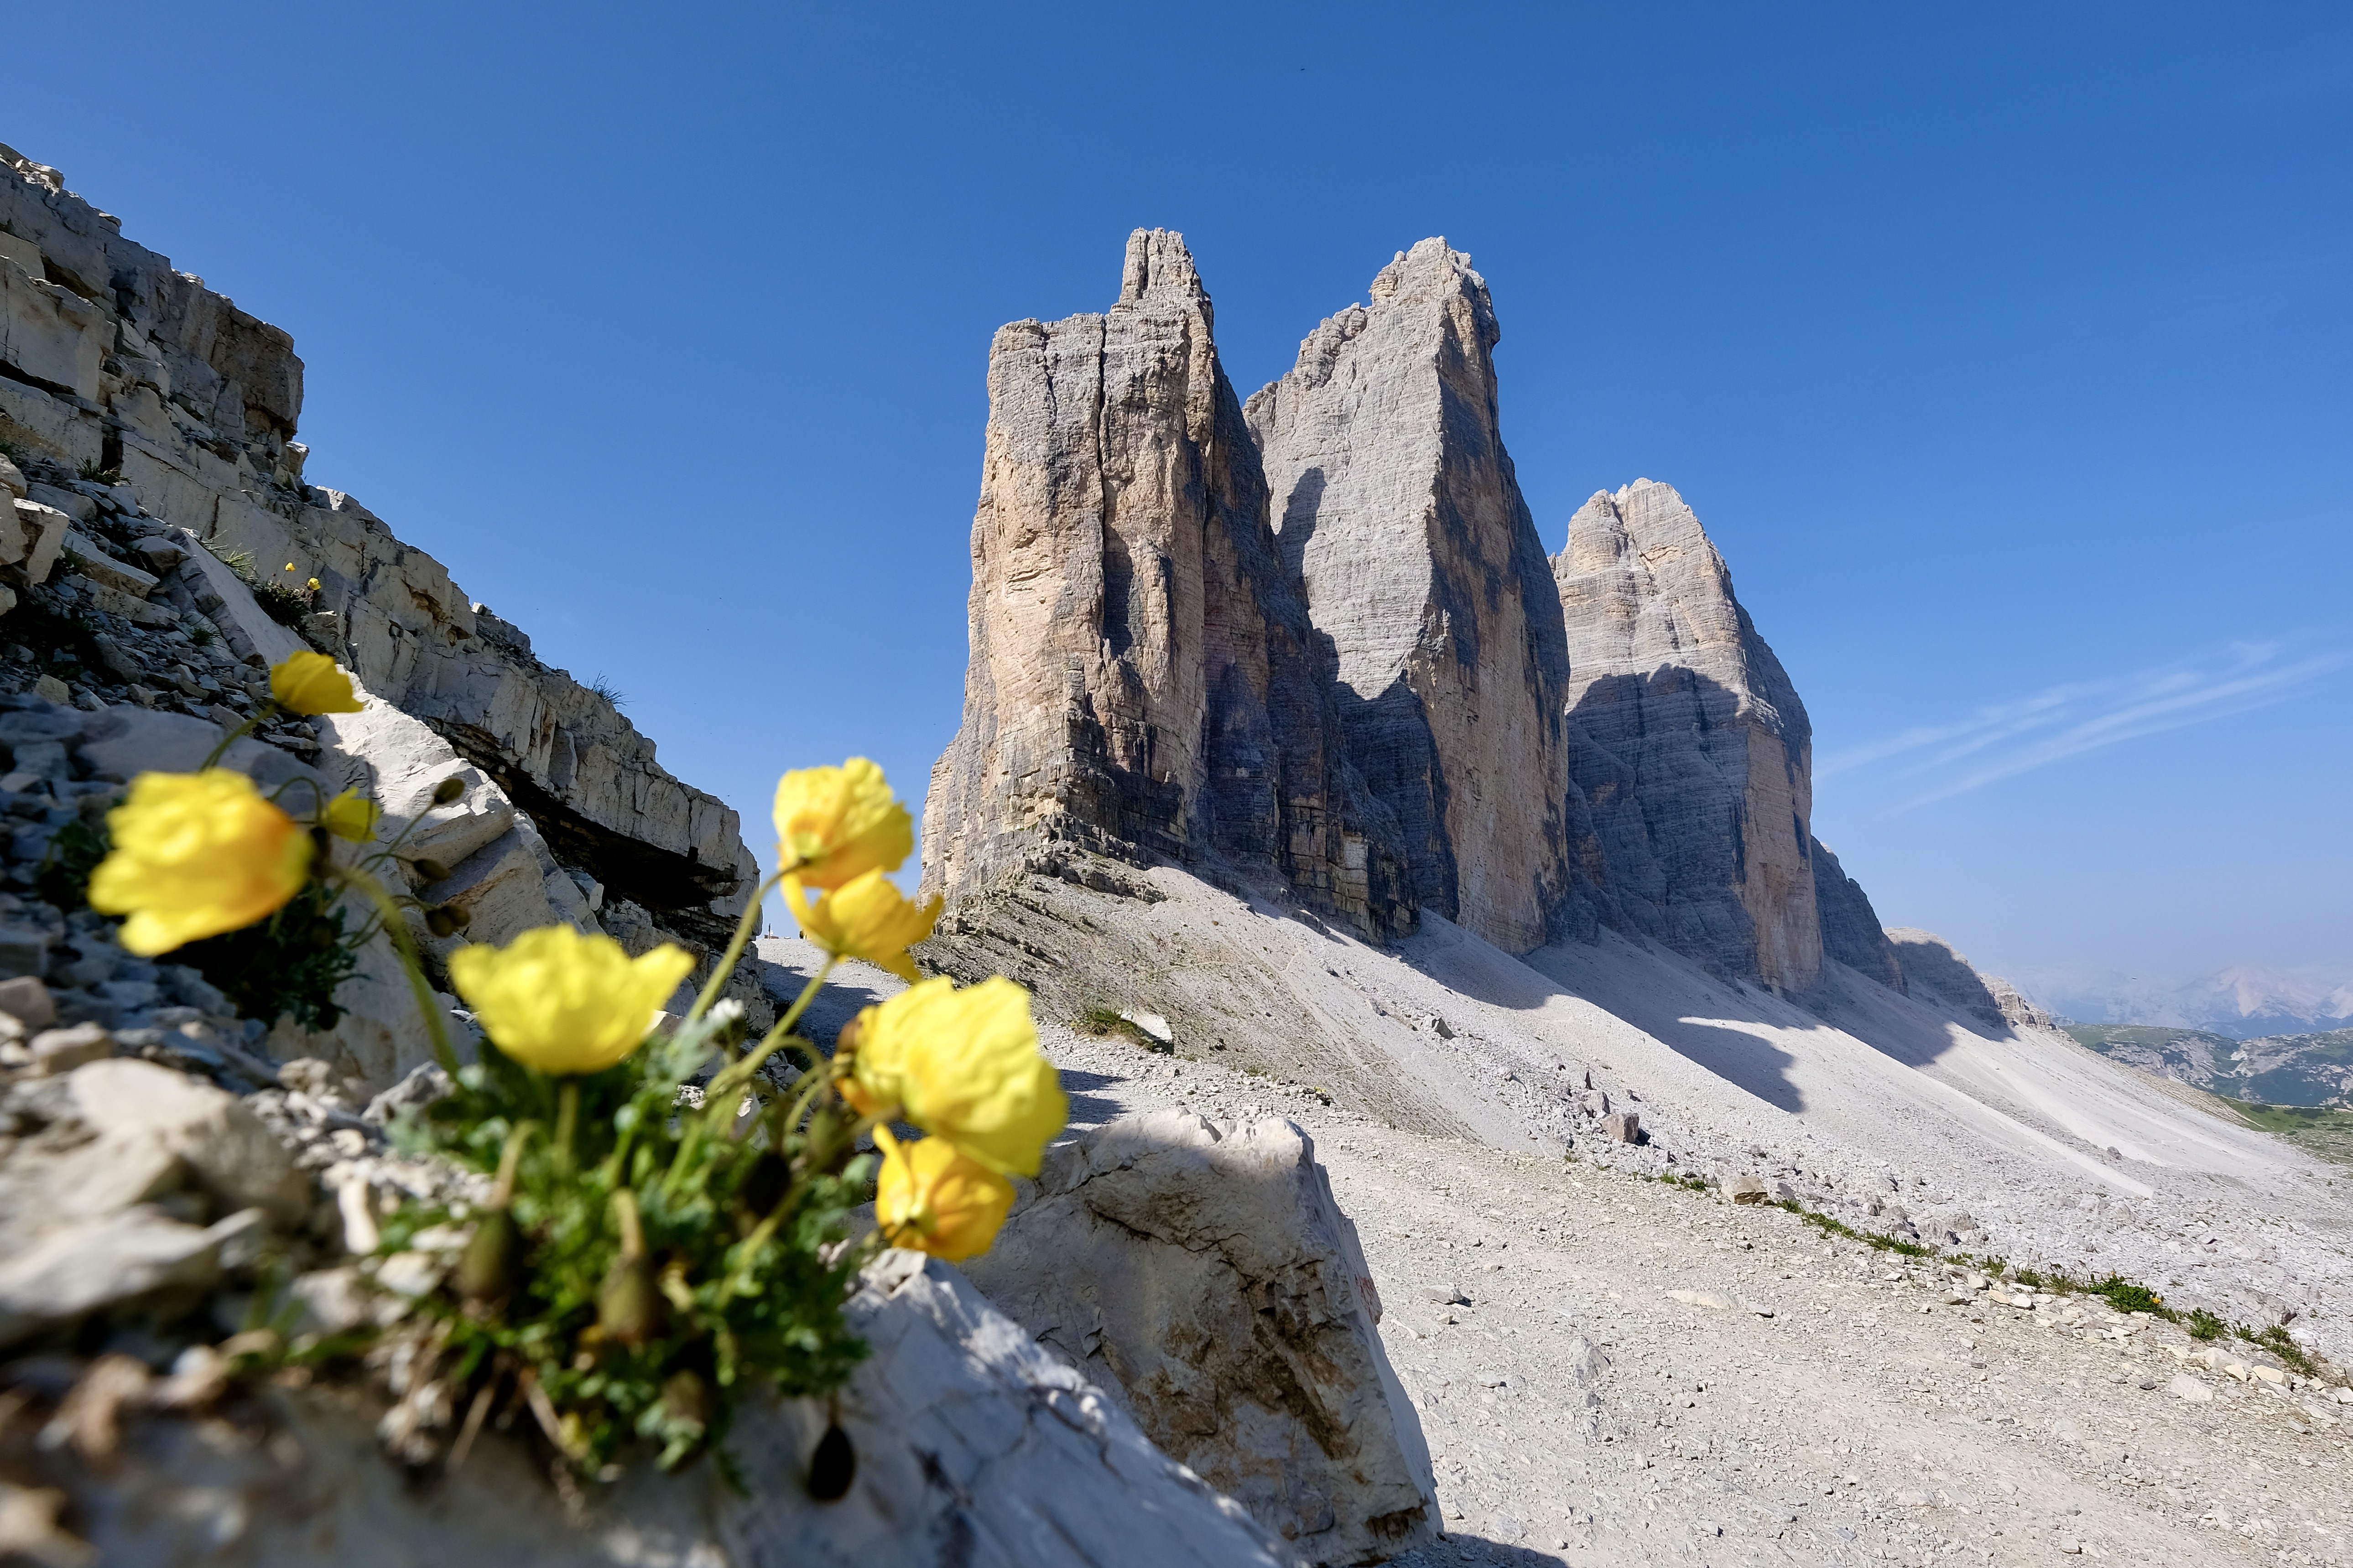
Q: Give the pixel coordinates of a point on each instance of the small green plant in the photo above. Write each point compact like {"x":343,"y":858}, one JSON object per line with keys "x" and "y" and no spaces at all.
{"x":2128,"y":1296}
{"x":202,"y":633}
{"x":1877,"y":1243}
{"x":2205,"y":1325}
{"x":611,"y":693}
{"x":1103,"y":1022}
{"x":2276,"y":1340}
{"x":96,"y":475}
{"x":283,"y":602}
{"x":632,"y":1270}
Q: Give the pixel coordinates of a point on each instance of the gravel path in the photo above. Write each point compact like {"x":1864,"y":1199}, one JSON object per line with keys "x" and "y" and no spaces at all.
{"x":1579,"y":1412}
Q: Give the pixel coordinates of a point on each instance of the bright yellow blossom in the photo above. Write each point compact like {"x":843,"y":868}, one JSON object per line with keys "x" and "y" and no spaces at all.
{"x":315,"y":584}
{"x":933,"y":1197}
{"x":351,"y":816}
{"x":962,"y":1066}
{"x":565,"y":1003}
{"x":864,"y":918}
{"x":310,"y":683}
{"x":197,"y":855}
{"x":834,"y":824}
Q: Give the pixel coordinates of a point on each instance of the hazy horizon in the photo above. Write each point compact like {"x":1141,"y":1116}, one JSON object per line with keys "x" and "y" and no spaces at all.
{"x":2005,"y":357}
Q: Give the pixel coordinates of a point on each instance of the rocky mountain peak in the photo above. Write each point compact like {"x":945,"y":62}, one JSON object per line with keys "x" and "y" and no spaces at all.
{"x":1158,"y":264}
{"x":1396,"y":507}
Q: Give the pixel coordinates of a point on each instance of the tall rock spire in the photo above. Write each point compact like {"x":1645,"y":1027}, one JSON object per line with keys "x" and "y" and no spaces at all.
{"x":1143,"y":681}
{"x":1395,"y":504}
{"x":1688,"y":742}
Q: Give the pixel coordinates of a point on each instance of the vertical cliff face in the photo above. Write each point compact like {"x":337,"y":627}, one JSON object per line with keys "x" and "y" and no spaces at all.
{"x":1851,"y":930}
{"x":1688,"y":742}
{"x":1395,"y":504}
{"x":1144,"y":678}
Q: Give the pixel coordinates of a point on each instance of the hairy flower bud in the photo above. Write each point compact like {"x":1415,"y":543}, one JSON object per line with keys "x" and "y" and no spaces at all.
{"x":448,"y":790}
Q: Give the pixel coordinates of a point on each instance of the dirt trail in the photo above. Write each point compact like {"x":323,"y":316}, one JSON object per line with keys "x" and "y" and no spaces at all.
{"x":1578,"y":1412}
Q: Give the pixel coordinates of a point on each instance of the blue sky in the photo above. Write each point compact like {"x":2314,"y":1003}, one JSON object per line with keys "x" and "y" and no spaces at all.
{"x":2006,"y":351}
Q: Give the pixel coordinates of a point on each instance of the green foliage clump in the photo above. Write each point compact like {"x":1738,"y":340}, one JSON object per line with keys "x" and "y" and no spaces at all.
{"x":630,"y":1275}
{"x":91,"y":470}
{"x":289,"y":964}
{"x":2125,"y":1296}
{"x":1877,"y":1243}
{"x":2276,"y":1340}
{"x":2205,"y":1325}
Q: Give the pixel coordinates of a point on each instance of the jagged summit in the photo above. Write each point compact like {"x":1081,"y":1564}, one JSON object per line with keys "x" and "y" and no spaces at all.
{"x":1398,"y":508}
{"x":1144,"y":681}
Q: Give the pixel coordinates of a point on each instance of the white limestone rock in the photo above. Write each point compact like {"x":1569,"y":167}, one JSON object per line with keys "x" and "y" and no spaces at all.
{"x":1205,"y":1273}
{"x":1396,"y":505}
{"x":976,"y":1449}
{"x":1688,"y":742}
{"x":1144,"y":681}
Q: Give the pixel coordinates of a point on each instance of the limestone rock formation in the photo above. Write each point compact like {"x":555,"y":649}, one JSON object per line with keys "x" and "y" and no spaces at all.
{"x":1688,"y":742}
{"x":1144,"y":678}
{"x":1851,"y":930}
{"x":1396,"y":503}
{"x":1938,"y":974}
{"x":1204,"y":1272}
{"x":113,"y":363}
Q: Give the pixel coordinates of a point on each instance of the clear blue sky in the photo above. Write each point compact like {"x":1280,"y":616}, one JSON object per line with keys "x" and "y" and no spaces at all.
{"x":2006,"y":351}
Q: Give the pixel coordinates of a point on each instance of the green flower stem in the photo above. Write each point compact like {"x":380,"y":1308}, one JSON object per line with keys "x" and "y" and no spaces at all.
{"x":510,"y":1157}
{"x":266,"y":710}
{"x":740,"y":1071}
{"x":726,"y":966}
{"x":397,"y":930}
{"x":567,"y":1118}
{"x":726,"y":1085}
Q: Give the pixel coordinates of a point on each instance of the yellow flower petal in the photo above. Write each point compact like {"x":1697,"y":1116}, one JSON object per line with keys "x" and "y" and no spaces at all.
{"x":933,"y":1197}
{"x":564,"y":1002}
{"x":834,"y":824}
{"x":310,"y":683}
{"x":962,"y":1066}
{"x":864,"y":918}
{"x":197,"y":855}
{"x":351,"y":816}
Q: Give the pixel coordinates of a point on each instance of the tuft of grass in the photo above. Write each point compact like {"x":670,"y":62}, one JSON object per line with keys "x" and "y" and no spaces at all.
{"x":2205,"y":1325}
{"x":2125,"y":1296}
{"x":609,"y":691}
{"x":96,"y":475}
{"x":1104,"y":1022}
{"x":2276,"y":1340}
{"x":1877,"y":1243}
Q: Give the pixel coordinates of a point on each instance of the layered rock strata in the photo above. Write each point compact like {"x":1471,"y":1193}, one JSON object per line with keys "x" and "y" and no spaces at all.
{"x":1144,"y":681}
{"x":1688,"y":742}
{"x":1396,"y":505}
{"x":114,"y":365}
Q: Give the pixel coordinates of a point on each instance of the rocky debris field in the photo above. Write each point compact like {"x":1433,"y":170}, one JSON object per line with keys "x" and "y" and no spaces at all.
{"x":1613,"y":1369}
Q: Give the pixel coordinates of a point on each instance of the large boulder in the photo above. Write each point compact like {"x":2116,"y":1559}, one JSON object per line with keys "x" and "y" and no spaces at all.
{"x":1205,"y":1272}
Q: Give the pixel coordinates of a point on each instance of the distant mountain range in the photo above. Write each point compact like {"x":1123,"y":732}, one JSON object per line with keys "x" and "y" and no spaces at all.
{"x":2309,"y":1069}
{"x":2244,"y":1003}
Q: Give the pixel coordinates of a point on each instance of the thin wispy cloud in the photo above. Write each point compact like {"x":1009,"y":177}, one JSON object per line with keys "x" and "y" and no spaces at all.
{"x":2007,"y":738}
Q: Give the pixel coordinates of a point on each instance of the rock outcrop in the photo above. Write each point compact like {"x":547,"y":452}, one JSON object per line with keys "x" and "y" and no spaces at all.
{"x":1395,"y":504}
{"x":1144,"y":681}
{"x":1204,"y":1272}
{"x":1851,"y":930}
{"x":1688,"y":743}
{"x":1936,"y":973}
{"x":155,"y":403}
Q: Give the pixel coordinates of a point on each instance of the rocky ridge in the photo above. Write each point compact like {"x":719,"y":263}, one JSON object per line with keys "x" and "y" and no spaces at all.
{"x":136,"y":401}
{"x":1342,"y":579}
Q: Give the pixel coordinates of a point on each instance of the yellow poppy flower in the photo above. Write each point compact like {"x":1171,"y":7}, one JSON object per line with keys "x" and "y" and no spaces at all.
{"x":565,"y":1003}
{"x":962,"y":1066}
{"x":933,"y":1197}
{"x":834,"y":824}
{"x":865,"y":918}
{"x":351,"y":816}
{"x":315,"y":584}
{"x":310,"y":683}
{"x":197,"y":855}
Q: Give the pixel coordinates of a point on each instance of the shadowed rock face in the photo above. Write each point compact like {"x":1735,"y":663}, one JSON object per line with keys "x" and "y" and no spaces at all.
{"x":1143,"y":681}
{"x":1850,"y":929}
{"x":1688,"y":743}
{"x":1395,"y":504}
